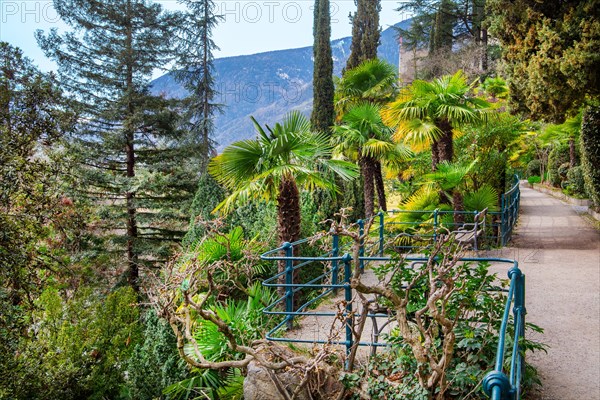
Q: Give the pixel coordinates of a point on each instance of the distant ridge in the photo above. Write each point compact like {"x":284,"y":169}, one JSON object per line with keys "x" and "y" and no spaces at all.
{"x":270,"y":84}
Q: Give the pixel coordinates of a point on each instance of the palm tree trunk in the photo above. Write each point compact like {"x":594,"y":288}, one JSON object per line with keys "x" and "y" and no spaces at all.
{"x":380,"y":186}
{"x":367,"y":172}
{"x":435,"y":157}
{"x":445,"y":144}
{"x":457,"y":204}
{"x":288,"y":222}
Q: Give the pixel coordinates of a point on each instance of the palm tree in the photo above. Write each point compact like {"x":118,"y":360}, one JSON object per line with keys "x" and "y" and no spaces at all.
{"x":363,"y":137}
{"x":273,"y":167}
{"x":427,"y":113}
{"x":374,"y":81}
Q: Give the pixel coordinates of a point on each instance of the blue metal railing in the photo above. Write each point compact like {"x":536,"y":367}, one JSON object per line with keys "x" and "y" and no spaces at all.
{"x":496,"y":384}
{"x":336,"y":266}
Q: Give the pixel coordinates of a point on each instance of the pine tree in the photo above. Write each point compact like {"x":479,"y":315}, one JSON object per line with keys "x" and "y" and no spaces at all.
{"x":323,"y":112}
{"x":196,"y":72}
{"x":132,"y":156}
{"x":365,"y":32}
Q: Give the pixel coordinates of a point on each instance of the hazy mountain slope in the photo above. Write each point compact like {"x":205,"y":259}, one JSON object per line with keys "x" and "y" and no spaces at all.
{"x":268,"y":85}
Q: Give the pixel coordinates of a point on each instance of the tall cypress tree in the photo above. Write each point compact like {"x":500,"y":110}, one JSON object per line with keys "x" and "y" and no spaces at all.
{"x":323,"y":113}
{"x":365,"y":32}
{"x":196,"y":73}
{"x":132,"y":156}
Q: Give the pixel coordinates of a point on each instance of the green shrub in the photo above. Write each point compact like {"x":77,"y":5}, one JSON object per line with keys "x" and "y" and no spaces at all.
{"x":590,"y":152}
{"x":534,"y":167}
{"x":155,"y":363}
{"x":575,"y":181}
{"x":79,"y":347}
{"x":534,"y":179}
{"x":557,"y":157}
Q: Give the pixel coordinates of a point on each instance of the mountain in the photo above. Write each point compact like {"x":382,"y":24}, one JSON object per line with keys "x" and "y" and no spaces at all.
{"x":268,"y":85}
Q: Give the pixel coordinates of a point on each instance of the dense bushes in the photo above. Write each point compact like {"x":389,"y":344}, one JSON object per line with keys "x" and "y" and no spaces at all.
{"x":556,"y":159}
{"x":576,"y":181}
{"x":534,"y":167}
{"x":590,"y":151}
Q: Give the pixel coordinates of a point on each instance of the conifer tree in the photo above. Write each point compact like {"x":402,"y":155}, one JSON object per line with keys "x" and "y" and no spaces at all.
{"x":323,"y":112}
{"x":196,"y":73}
{"x":365,"y":32}
{"x":131,"y":154}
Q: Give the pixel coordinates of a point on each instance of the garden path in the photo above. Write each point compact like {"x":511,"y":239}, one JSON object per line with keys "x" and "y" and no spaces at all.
{"x":559,"y":252}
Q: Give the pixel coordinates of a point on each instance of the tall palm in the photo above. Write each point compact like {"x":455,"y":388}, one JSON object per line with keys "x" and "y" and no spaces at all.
{"x":374,"y":81}
{"x":273,"y":167}
{"x":427,"y":113}
{"x":363,"y":137}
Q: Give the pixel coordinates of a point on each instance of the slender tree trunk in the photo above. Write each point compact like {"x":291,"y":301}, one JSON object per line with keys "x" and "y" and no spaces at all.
{"x":367,"y":172}
{"x":288,"y":222}
{"x":132,"y":228}
{"x":572,"y":155}
{"x":378,"y":176}
{"x":445,"y":143}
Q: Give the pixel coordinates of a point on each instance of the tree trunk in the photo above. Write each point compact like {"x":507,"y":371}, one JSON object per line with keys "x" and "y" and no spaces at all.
{"x":380,"y":186}
{"x":445,"y":144}
{"x":571,"y":152}
{"x":132,"y":228}
{"x":288,"y":222}
{"x":435,"y":157}
{"x":457,"y":204}
{"x":367,"y":172}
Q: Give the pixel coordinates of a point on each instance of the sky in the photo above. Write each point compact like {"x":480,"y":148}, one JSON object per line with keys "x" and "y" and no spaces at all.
{"x":248,"y":27}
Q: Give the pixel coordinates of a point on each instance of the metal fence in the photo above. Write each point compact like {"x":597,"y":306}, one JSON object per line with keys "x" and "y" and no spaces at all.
{"x":336,"y":264}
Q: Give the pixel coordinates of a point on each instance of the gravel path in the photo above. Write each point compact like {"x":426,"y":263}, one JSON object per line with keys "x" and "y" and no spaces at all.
{"x":559,"y":252}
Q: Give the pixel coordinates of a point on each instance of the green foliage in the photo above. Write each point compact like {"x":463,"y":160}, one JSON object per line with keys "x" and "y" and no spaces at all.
{"x":534,"y":179}
{"x":426,"y":113}
{"x":365,"y":32}
{"x":323,"y":112}
{"x":133,"y":160}
{"x":576,"y":181}
{"x":79,"y":347}
{"x":208,"y":196}
{"x":195,"y":71}
{"x":551,"y":51}
{"x":484,"y":197}
{"x":373,"y":81}
{"x":590,"y":151}
{"x":534,"y":167}
{"x":558,"y":156}
{"x":477,"y":309}
{"x":154,"y":363}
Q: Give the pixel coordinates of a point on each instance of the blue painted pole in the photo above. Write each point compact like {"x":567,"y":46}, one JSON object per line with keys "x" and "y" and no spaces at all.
{"x":502,"y":219}
{"x":347,"y":259}
{"x":289,"y":280}
{"x":361,"y":249}
{"x":435,"y":225}
{"x":334,"y":263}
{"x":381,"y":225}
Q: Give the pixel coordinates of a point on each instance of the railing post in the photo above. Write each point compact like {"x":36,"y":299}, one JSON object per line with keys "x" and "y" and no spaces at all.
{"x":361,"y":249}
{"x":502,"y":219}
{"x":346,"y":259}
{"x":381,"y":231}
{"x":334,"y":263}
{"x":289,"y":280}
{"x":435,"y":225}
{"x":476,"y":226}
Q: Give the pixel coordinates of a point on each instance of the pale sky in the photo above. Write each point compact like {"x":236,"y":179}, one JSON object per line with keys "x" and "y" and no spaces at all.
{"x":249,"y":26}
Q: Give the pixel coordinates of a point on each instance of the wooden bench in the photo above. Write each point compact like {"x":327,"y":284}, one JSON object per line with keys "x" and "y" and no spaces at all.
{"x":470,"y":232}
